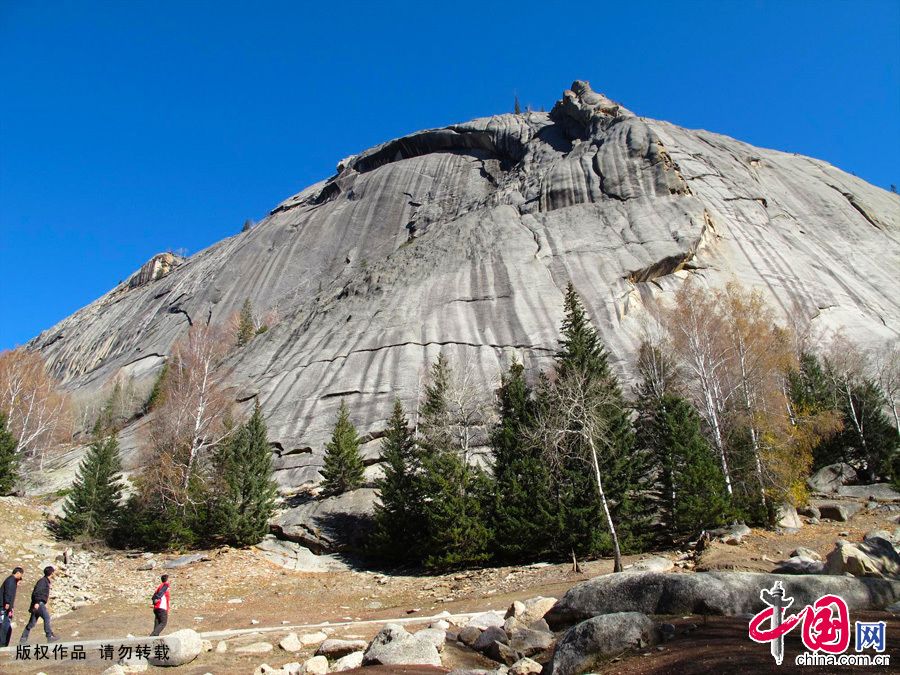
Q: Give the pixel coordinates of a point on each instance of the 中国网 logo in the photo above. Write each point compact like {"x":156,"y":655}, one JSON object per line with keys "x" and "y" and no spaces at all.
{"x":825,"y":631}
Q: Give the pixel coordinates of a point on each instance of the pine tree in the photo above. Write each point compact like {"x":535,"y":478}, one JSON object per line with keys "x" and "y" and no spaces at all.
{"x":344,"y":467}
{"x":8,"y":458}
{"x":454,"y":494}
{"x":246,"y":327}
{"x":398,"y":513}
{"x":517,"y":109}
{"x":92,"y":507}
{"x":690,"y":487}
{"x":583,"y":360}
{"x":246,"y":498}
{"x":523,"y":513}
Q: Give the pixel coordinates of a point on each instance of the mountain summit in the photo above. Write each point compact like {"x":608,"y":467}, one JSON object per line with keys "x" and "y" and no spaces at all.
{"x":463,"y":239}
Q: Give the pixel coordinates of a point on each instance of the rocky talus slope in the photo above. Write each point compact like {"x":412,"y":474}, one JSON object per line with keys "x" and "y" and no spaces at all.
{"x":463,"y":239}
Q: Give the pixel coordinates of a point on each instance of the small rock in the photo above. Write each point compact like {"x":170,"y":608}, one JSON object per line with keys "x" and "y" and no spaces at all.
{"x":435,"y":636}
{"x":803,"y":552}
{"x":254,"y":622}
{"x":469,"y":635}
{"x":291,"y":643}
{"x":221,"y":647}
{"x":488,"y":637}
{"x":206,"y":646}
{"x":486,"y":619}
{"x":235,"y":601}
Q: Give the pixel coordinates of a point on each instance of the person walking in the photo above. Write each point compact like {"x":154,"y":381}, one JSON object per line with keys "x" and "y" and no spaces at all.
{"x":161,"y":604}
{"x":40,"y":596}
{"x":7,"y":603}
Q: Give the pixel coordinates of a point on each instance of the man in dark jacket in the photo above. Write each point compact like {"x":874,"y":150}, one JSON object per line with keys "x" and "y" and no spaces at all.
{"x":161,"y":604}
{"x":40,"y":596}
{"x":7,"y":603}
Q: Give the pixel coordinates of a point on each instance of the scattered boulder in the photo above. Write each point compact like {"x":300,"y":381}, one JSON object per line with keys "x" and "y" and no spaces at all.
{"x":799,"y":565}
{"x":488,"y":637}
{"x":528,"y":642}
{"x":255,"y":648}
{"x":839,"y":511}
{"x":502,"y":653}
{"x":394,"y":646}
{"x":114,"y":669}
{"x":317,"y":665}
{"x":335,"y":649}
{"x":787,"y":518}
{"x":469,"y":635}
{"x":879,"y":534}
{"x":875,"y":557}
{"x":590,"y":642}
{"x":724,"y":593}
{"x":222,"y":647}
{"x":348,"y":662}
{"x":486,"y":620}
{"x":829,"y":478}
{"x":309,"y":639}
{"x":435,"y":636}
{"x":654,"y":563}
{"x":530,"y":610}
{"x":525,"y":667}
{"x":184,"y":646}
{"x":803,"y":552}
{"x":809,"y":511}
{"x":291,"y":643}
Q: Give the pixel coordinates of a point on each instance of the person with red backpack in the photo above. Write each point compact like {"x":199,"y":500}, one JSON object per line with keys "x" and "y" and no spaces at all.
{"x":161,"y":604}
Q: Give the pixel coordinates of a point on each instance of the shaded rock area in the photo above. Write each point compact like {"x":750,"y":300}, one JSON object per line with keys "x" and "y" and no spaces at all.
{"x":726,"y":593}
{"x":339,"y":523}
{"x":462,"y":239}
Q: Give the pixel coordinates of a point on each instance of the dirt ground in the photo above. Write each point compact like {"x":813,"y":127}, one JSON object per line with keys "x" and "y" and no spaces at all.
{"x":237,"y":587}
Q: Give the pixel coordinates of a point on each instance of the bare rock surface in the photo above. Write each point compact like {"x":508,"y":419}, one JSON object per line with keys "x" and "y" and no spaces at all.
{"x":462,"y":239}
{"x":725,"y":593}
{"x":394,"y":646}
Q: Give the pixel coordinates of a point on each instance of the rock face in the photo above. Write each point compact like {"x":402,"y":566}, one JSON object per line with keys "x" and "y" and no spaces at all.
{"x":463,"y":238}
{"x":874,"y":557}
{"x":725,"y":593}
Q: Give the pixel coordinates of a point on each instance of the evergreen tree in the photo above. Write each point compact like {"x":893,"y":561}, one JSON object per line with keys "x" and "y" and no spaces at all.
{"x":8,"y":458}
{"x":344,"y":467}
{"x":92,"y":507}
{"x":157,"y":393}
{"x":454,"y":494}
{"x":517,"y":109}
{"x":398,"y":513}
{"x":246,"y":498}
{"x":246,"y":327}
{"x":584,"y":526}
{"x":690,"y":487}
{"x":523,"y":514}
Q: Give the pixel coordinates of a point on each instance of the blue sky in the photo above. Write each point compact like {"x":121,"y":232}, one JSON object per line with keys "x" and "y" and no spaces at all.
{"x":129,"y":128}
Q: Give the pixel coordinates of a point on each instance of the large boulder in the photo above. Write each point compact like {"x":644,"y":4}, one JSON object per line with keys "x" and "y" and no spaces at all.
{"x":599,"y":638}
{"x":488,"y":637}
{"x":788,"y":518}
{"x":183,"y":647}
{"x":874,"y":557}
{"x":348,"y":662}
{"x":339,"y":523}
{"x":829,"y":479}
{"x":876,"y":491}
{"x":654,"y":563}
{"x":394,"y":646}
{"x":528,"y":642}
{"x":293,"y":556}
{"x":724,"y":593}
{"x":531,"y":610}
{"x":839,"y":511}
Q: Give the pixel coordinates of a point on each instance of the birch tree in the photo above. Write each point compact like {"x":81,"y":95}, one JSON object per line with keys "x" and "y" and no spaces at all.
{"x":37,"y":413}
{"x":194,"y":413}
